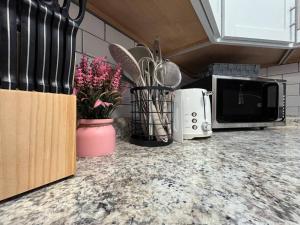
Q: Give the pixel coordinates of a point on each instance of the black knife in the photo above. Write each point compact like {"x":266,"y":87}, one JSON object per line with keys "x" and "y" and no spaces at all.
{"x":8,"y":44}
{"x":44,"y":25}
{"x":57,"y":49}
{"x":70,"y":44}
{"x":28,"y":12}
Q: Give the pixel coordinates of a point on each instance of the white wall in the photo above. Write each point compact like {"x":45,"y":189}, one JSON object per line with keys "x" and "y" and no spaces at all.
{"x":290,"y":73}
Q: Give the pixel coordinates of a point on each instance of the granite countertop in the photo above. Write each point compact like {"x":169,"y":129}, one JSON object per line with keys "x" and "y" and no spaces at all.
{"x":237,"y":177}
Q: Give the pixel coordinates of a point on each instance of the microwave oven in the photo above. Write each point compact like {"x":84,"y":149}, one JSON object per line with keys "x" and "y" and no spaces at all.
{"x":240,"y":102}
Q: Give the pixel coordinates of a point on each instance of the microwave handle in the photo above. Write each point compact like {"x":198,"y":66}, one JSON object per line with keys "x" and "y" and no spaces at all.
{"x":281,"y":101}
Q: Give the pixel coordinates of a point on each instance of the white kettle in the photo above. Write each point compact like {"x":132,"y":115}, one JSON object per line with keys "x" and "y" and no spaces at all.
{"x":192,"y":114}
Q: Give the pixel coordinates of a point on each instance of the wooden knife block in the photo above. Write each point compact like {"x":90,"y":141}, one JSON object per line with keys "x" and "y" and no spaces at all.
{"x":37,"y":140}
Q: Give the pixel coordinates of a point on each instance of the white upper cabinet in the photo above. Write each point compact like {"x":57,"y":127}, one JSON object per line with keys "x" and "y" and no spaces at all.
{"x":216,"y":11}
{"x":269,"y":23}
{"x":267,"y":20}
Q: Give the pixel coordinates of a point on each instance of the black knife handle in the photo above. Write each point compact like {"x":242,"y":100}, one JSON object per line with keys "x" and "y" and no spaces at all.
{"x":82,"y":7}
{"x":44,"y":19}
{"x":71,"y":33}
{"x":28,"y":12}
{"x":8,"y":44}
{"x":65,"y":8}
{"x":69,"y":58}
{"x":57,"y":52}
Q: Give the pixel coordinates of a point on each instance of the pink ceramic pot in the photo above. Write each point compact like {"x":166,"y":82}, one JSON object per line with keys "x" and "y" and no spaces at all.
{"x":95,"y":137}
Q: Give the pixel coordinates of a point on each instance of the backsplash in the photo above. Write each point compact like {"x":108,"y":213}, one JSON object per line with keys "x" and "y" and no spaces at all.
{"x":290,"y":73}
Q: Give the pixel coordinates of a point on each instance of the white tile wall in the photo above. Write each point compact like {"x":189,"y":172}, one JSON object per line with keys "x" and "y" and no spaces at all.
{"x":114,"y":36}
{"x":293,"y":101}
{"x":74,"y":10}
{"x":93,"y":25}
{"x":292,"y":78}
{"x":263,"y":72}
{"x":292,"y":111}
{"x":283,"y":69}
{"x":290,"y":73}
{"x":77,"y":57}
{"x":79,"y":41}
{"x":94,"y":46}
{"x":292,"y":89}
{"x":280,"y":77}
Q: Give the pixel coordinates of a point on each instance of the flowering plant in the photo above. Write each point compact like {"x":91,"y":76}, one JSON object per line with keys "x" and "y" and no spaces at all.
{"x":97,"y":87}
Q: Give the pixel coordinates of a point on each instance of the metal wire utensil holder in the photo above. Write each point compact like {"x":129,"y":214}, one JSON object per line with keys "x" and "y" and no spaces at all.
{"x":147,"y":125}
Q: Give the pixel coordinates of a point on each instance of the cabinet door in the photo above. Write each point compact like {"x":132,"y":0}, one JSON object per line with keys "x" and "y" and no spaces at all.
{"x":261,"y":20}
{"x":215,"y":17}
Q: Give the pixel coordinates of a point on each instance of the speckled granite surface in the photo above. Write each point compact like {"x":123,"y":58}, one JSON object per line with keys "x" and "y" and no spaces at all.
{"x":239,"y":177}
{"x":293,"y":121}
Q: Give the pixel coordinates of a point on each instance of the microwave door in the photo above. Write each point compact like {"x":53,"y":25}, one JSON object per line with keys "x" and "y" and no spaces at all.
{"x":239,"y":101}
{"x":272,"y":101}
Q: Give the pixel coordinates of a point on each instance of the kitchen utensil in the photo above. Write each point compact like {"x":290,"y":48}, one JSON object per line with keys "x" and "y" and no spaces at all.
{"x":57,"y":47}
{"x":8,"y":44}
{"x":158,"y":59}
{"x":167,"y":74}
{"x":44,"y":19}
{"x":147,"y":66}
{"x":139,"y":52}
{"x":130,"y":65}
{"x":28,"y":13}
{"x":157,"y":51}
{"x":192,"y":114}
{"x":70,"y":44}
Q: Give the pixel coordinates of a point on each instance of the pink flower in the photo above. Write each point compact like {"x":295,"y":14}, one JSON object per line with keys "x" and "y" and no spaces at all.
{"x":79,"y":78}
{"x":101,"y":70}
{"x":75,"y":91}
{"x":84,"y":64}
{"x":101,"y":103}
{"x":89,"y":78}
{"x":116,"y":80}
